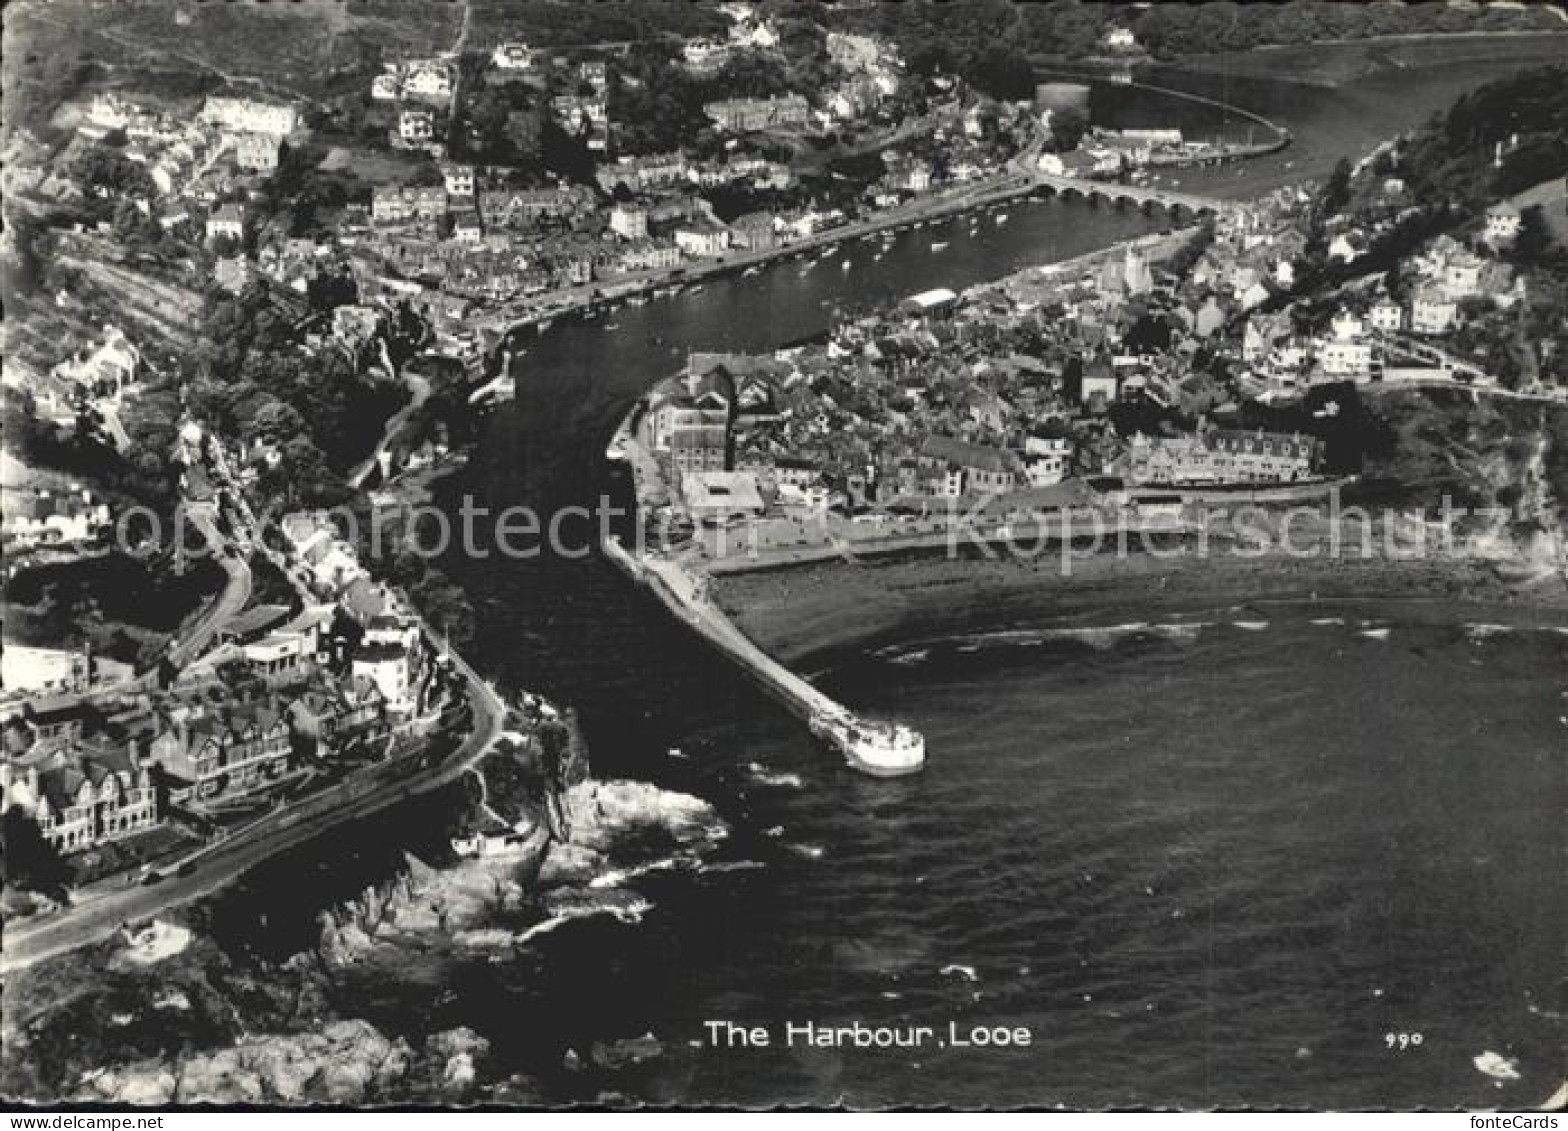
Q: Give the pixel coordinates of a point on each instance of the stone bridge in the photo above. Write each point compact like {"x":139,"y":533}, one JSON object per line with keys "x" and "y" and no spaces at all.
{"x":1142,"y":196}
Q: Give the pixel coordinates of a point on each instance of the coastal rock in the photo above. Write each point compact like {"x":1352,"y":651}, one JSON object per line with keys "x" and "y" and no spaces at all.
{"x":626,"y":1052}
{"x":346,"y":1062}
{"x":455,"y":1054}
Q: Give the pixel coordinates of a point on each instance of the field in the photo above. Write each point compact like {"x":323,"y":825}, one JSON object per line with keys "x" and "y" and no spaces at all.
{"x":302,"y":50}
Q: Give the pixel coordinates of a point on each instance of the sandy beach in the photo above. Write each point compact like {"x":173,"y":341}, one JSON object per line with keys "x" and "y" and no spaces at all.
{"x":815,"y":613}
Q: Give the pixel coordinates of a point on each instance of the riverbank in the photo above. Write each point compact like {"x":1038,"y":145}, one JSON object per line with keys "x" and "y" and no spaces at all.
{"x":825,"y":611}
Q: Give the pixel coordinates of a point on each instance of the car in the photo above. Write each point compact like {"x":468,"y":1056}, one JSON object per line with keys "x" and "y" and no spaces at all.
{"x":152,"y":878}
{"x":186,"y":869}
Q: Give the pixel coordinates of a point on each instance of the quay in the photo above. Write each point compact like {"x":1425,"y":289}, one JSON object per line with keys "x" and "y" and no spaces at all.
{"x":684,"y":594}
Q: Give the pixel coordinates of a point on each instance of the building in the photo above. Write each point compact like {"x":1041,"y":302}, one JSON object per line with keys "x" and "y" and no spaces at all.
{"x":416,"y":126}
{"x":80,"y":795}
{"x":512,"y":56}
{"x":705,"y":56}
{"x":721,"y":496}
{"x":1502,"y":223}
{"x":39,"y":516}
{"x":702,"y":239}
{"x":458,"y":180}
{"x":229,"y":221}
{"x":980,"y":470}
{"x":1386,"y":316}
{"x":429,"y":80}
{"x":257,"y":152}
{"x":1432,"y":313}
{"x":392,"y":669}
{"x":629,"y":221}
{"x":1347,"y":359}
{"x":650,"y":255}
{"x":245,"y":115}
{"x":224,"y":751}
{"x":1121,"y":39}
{"x":693,"y":427}
{"x":1046,"y":460}
{"x":398,"y":204}
{"x":741,"y":115}
{"x":1215,"y":456}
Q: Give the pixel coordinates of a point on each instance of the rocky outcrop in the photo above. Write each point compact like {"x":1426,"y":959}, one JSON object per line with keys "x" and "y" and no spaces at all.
{"x":347,"y":1062}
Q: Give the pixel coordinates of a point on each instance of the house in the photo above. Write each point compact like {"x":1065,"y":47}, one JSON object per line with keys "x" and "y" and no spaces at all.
{"x":1345,"y":358}
{"x":458,"y":180}
{"x":386,"y":87}
{"x":1121,"y":39}
{"x":1046,"y":459}
{"x":693,"y":427}
{"x":1433,"y":313}
{"x":982,"y":470}
{"x":257,"y":152}
{"x":755,"y":231}
{"x":392,"y":669}
{"x":246,"y":115}
{"x":224,"y":750}
{"x":1386,"y":316}
{"x":650,"y":255}
{"x":699,"y":239}
{"x":705,"y":56}
{"x":338,"y":714}
{"x":1215,"y":456}
{"x":232,"y":274}
{"x":81,"y":796}
{"x":430,"y":80}
{"x":721,"y":496}
{"x":38,"y":516}
{"x":629,"y":221}
{"x":1502,"y":223}
{"x":228,"y":221}
{"x":742,"y":115}
{"x":512,"y":56}
{"x":416,"y":126}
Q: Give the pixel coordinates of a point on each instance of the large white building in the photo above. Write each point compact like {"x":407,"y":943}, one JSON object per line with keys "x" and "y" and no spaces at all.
{"x":245,"y":115}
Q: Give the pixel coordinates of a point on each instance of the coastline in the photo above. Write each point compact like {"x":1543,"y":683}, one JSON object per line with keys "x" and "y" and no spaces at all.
{"x":820,"y":613}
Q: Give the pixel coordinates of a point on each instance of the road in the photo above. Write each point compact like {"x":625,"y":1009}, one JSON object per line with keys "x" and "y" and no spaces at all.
{"x":100,"y":909}
{"x":236,"y":592}
{"x":419,"y":389}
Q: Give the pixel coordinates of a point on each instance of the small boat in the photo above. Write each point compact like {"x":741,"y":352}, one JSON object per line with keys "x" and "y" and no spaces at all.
{"x":675,"y":752}
{"x":939,"y":245}
{"x":846,"y":265}
{"x":697,"y":290}
{"x":612,"y":325}
{"x":750,"y":271}
{"x":1001,"y":217}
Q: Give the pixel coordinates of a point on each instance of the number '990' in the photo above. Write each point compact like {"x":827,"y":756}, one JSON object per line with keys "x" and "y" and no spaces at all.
{"x":1403,"y":1041}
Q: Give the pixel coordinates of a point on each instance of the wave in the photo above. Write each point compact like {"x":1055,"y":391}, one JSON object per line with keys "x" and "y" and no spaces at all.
{"x":618,"y":877}
{"x":1375,"y":633}
{"x":775,"y":778}
{"x":809,"y":851}
{"x":1325,"y":621}
{"x":966,"y":972}
{"x":732,"y":866}
{"x":1100,"y":637}
{"x":627,"y":908}
{"x":1250,"y":625}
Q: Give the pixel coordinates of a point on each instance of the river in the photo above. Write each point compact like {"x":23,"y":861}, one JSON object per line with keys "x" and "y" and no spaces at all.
{"x":1219,"y":866}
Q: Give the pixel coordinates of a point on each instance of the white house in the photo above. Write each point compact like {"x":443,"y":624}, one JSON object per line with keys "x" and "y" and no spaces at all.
{"x":1502,"y":223}
{"x":1346,"y":358}
{"x":703,"y":240}
{"x":1386,"y":316}
{"x":1433,"y":314}
{"x":416,"y":125}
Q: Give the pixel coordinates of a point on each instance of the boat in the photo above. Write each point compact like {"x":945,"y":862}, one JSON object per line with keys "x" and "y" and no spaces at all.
{"x":750,"y":271}
{"x":846,"y":265}
{"x":939,"y":245}
{"x":697,"y":290}
{"x":881,"y":749}
{"x":612,"y":325}
{"x":1001,"y":217}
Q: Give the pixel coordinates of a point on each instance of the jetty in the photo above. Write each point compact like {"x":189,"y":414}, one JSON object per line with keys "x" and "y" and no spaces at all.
{"x":684,"y":594}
